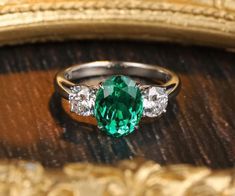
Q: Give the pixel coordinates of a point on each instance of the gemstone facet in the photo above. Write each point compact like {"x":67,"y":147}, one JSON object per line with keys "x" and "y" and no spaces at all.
{"x":155,"y":100}
{"x":118,"y":106}
{"x":82,"y":100}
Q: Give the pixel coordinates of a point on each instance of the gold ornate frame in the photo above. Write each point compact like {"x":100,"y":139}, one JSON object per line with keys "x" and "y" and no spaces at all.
{"x":134,"y":177}
{"x":208,"y":22}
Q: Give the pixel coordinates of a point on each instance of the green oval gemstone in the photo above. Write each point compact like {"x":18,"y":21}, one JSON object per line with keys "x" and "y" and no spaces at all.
{"x":118,"y":106}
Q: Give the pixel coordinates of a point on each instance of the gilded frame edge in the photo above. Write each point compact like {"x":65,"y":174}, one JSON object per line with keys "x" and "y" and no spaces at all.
{"x":130,"y":177}
{"x":152,"y":20}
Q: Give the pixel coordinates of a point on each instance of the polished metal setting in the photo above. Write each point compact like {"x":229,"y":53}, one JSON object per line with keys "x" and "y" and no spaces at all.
{"x":164,"y":84}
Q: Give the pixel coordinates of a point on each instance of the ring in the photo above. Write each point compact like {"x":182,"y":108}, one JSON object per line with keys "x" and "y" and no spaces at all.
{"x":117,"y":102}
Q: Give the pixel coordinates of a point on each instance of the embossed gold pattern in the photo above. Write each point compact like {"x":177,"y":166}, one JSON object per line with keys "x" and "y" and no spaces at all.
{"x":208,"y":22}
{"x":136,"y":177}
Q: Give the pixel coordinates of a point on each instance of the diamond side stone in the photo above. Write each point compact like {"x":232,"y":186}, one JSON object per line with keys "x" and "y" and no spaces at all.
{"x":82,"y":100}
{"x":155,"y":101}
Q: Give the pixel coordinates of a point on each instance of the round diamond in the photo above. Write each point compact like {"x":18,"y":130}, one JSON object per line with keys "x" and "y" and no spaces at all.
{"x":155,"y":100}
{"x":118,"y":106}
{"x":82,"y":100}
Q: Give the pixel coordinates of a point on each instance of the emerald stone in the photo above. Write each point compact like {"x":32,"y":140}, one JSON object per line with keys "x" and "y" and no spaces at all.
{"x":118,"y":106}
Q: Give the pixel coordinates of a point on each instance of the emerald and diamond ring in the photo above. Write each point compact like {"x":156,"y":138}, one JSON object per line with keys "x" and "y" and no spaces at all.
{"x":118,"y":102}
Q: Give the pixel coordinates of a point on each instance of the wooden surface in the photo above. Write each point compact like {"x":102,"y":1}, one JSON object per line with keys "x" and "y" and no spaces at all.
{"x":198,"y":128}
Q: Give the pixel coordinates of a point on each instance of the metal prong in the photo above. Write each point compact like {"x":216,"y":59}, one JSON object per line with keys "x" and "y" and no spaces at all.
{"x":138,"y":84}
{"x":101,"y":85}
{"x":99,"y":127}
{"x":143,"y":87}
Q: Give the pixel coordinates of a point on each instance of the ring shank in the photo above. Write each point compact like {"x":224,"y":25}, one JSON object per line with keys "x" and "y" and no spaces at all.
{"x":159,"y":75}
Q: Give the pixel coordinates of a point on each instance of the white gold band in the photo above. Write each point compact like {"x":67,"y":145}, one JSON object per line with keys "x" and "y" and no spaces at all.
{"x":160,"y":76}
